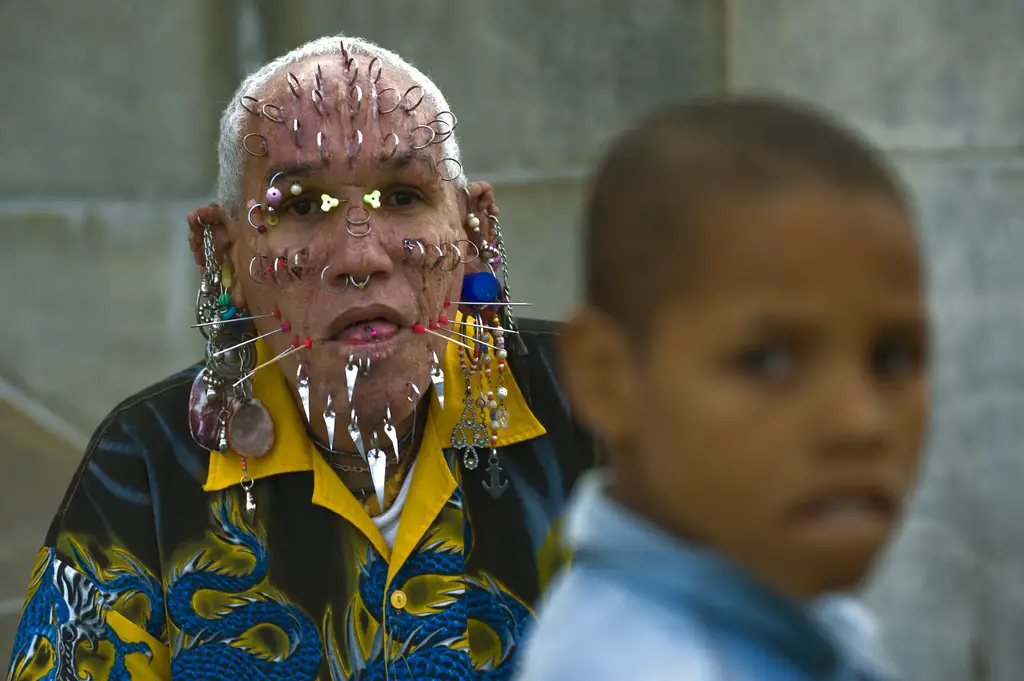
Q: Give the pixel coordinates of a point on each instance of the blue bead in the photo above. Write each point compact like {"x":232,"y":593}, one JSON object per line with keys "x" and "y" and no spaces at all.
{"x":480,"y":287}
{"x":229,"y":313}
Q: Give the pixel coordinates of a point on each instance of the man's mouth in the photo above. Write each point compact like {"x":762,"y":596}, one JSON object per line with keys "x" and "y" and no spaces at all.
{"x":368,"y":331}
{"x":365,"y":325}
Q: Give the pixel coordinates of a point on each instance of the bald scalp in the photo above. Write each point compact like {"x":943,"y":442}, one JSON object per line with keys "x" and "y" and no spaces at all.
{"x":658,"y":179}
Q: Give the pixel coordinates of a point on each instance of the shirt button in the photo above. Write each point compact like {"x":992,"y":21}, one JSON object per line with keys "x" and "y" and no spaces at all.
{"x":398,"y":599}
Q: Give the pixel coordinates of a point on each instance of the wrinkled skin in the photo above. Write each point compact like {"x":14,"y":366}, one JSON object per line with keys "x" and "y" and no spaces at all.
{"x":415,"y":202}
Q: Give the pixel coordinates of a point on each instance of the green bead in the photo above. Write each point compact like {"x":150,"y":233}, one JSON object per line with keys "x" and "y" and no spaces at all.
{"x":224,"y":299}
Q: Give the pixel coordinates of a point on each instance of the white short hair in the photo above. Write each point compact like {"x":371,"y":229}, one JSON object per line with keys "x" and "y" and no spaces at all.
{"x":229,"y":150}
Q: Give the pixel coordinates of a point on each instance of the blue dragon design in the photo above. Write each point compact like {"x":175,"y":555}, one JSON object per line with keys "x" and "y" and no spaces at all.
{"x":66,"y":609}
{"x":431,"y":644}
{"x":219,"y":647}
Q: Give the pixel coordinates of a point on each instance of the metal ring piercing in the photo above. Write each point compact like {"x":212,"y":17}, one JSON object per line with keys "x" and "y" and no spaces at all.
{"x":295,"y":132}
{"x":323,"y":282}
{"x":414,"y":394}
{"x":456,"y":261}
{"x":380,"y":69}
{"x":440,"y":256}
{"x":410,"y":109}
{"x":409,"y":246}
{"x":264,"y":149}
{"x":252,"y":276}
{"x":202,"y":224}
{"x":244,"y":106}
{"x":455,"y":121}
{"x":433,"y":134}
{"x":358,"y":136}
{"x":359,"y":284}
{"x":357,"y":223}
{"x":443,"y":136}
{"x":476,"y":251}
{"x":251,"y":223}
{"x":380,"y":96}
{"x":394,"y":147}
{"x":359,"y":100}
{"x":453,"y":177}
{"x":277,"y":118}
{"x":318,"y":100}
{"x":321,"y":145}
{"x":293,"y":83}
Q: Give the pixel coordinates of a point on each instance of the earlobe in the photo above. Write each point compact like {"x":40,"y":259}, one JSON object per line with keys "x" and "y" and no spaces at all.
{"x":479,"y":211}
{"x":594,"y":362}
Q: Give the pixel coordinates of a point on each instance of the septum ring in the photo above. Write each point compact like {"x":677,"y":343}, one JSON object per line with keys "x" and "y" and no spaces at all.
{"x":360,"y":284}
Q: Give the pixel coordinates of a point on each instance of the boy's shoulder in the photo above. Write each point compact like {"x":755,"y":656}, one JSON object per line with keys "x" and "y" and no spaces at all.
{"x":591,"y":628}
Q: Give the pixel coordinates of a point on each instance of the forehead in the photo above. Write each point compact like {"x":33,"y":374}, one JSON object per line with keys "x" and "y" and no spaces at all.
{"x":351,"y":119}
{"x":815,"y":246}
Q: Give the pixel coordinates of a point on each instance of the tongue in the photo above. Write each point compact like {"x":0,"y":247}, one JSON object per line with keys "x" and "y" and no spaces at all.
{"x":369,"y":332}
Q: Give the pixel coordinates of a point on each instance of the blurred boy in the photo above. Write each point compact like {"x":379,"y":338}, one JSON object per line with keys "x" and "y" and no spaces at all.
{"x":754,"y":353}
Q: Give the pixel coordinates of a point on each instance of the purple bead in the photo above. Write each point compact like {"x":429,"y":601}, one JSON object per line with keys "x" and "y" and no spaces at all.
{"x":273,"y":196}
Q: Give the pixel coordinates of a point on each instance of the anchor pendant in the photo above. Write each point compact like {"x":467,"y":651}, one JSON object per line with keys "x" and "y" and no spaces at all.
{"x":496,"y":483}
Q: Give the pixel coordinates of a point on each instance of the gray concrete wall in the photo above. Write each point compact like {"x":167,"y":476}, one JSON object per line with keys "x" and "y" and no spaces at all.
{"x":108,"y":139}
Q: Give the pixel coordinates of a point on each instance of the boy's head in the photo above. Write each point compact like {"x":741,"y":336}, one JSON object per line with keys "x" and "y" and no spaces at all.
{"x":754,"y":350}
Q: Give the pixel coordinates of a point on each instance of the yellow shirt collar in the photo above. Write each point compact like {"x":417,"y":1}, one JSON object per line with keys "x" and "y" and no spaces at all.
{"x":293,"y":449}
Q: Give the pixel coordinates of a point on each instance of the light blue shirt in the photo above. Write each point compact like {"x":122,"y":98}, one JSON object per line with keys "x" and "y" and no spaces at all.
{"x":639,"y":604}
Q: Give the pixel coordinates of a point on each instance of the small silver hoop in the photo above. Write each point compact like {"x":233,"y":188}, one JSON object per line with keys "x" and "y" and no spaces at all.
{"x":455,"y":121}
{"x":456,"y":261}
{"x":323,"y":281}
{"x":264,"y":149}
{"x":360,"y":284}
{"x":410,"y":246}
{"x":293,"y":83}
{"x":410,"y":109}
{"x":359,"y":100}
{"x":380,"y":69}
{"x":441,"y":136}
{"x":433,"y":134}
{"x":380,"y":96}
{"x":414,"y":393}
{"x":318,"y":100}
{"x":246,"y":107}
{"x":295,"y":132}
{"x":251,"y":223}
{"x":258,"y":279}
{"x":358,"y":145}
{"x":202,"y":224}
{"x":276,"y":118}
{"x":453,"y":177}
{"x":474,"y":247}
{"x":348,"y":216}
{"x":440,"y":256}
{"x":355,"y":71}
{"x":321,"y":145}
{"x":394,"y":147}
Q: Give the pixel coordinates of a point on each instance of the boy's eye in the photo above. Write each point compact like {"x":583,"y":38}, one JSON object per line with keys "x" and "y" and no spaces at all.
{"x":768,"y":363}
{"x":891,"y":360}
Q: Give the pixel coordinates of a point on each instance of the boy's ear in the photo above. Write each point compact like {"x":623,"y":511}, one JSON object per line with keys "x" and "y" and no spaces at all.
{"x":598,"y":375}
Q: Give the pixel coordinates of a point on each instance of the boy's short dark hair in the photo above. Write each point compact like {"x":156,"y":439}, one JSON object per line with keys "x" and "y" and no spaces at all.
{"x":656,"y":177}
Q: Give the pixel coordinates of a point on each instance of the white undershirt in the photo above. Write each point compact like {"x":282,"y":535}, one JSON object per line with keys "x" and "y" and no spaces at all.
{"x":387,"y":522}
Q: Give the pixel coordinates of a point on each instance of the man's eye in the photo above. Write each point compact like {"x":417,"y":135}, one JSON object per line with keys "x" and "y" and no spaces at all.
{"x":301,"y":207}
{"x":402,"y":198}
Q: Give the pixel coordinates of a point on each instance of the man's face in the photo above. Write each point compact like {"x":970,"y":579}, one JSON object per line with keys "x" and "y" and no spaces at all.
{"x":353,"y":243}
{"x":783,"y":395}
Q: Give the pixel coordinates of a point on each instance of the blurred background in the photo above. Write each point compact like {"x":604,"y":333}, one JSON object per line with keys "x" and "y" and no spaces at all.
{"x":108,"y":134}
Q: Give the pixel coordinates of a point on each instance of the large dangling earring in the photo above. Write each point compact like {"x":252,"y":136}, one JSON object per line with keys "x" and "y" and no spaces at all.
{"x":223,"y":414}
